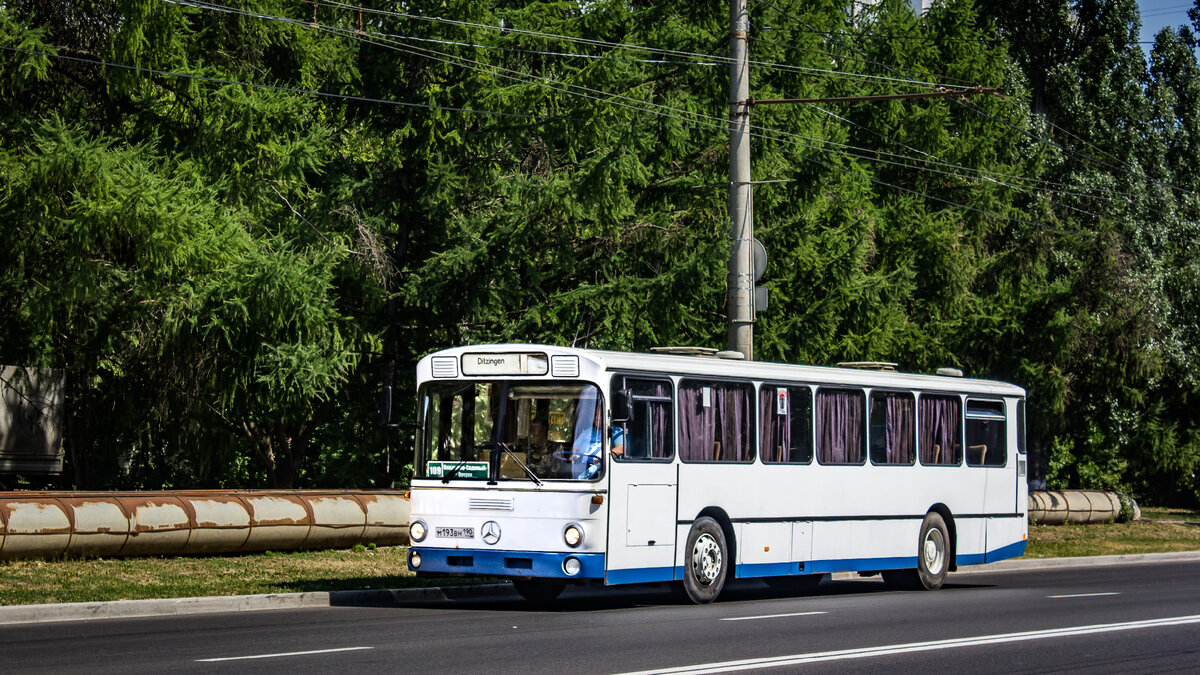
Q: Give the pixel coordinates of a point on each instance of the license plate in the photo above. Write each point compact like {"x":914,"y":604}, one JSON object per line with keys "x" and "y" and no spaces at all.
{"x":455,"y":532}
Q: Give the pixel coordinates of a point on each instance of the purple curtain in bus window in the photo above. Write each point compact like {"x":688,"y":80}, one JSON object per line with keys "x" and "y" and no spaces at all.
{"x":660,"y":421}
{"x":775,"y":430}
{"x":899,"y":430}
{"x":939,"y":426}
{"x":697,"y":424}
{"x":839,"y":426}
{"x":734,"y":414}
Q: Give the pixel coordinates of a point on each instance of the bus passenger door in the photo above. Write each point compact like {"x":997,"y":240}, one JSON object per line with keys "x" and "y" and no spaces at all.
{"x":991,"y":450}
{"x":643,"y":484}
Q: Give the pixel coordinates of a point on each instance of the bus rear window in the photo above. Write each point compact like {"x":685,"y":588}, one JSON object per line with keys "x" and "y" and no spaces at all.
{"x":986,"y":433}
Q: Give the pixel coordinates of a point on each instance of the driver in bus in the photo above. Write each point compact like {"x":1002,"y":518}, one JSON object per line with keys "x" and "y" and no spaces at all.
{"x":589,"y":457}
{"x":588,"y":448}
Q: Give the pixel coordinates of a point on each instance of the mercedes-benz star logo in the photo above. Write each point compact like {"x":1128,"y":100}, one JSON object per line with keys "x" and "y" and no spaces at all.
{"x":491,"y":532}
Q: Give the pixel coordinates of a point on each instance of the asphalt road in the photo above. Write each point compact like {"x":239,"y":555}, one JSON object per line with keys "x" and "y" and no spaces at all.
{"x":1119,"y":618}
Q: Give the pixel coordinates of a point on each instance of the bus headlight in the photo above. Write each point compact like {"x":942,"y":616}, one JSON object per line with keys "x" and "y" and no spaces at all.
{"x":573,"y":535}
{"x":416,"y":531}
{"x":572,"y":566}
{"x":414,"y":560}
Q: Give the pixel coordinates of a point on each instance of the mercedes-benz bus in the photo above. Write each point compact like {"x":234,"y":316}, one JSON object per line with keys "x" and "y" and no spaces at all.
{"x":553,"y":465}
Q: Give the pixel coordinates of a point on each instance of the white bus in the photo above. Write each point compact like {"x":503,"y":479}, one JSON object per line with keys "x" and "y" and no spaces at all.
{"x":553,"y":465}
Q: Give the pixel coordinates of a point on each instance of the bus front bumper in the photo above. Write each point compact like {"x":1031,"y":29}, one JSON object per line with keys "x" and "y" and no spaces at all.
{"x":490,"y":562}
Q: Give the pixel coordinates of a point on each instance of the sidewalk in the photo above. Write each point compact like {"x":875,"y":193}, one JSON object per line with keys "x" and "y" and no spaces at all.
{"x":124,"y":609}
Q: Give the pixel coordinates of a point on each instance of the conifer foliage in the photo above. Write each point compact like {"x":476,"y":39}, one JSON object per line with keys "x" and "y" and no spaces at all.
{"x":231,"y":222}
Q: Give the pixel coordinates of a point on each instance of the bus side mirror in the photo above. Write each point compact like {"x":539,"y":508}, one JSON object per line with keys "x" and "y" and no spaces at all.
{"x":622,"y":405}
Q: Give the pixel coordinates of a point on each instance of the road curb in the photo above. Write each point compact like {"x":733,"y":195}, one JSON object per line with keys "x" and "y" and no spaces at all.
{"x":1089,"y":561}
{"x":128,"y":609}
{"x":1032,"y":564}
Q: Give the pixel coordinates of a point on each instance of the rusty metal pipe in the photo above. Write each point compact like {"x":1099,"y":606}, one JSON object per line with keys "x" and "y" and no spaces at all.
{"x":51,"y":524}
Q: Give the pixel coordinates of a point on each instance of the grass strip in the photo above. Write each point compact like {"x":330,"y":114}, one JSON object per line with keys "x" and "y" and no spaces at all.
{"x":1142,"y":536}
{"x":26,"y":582}
{"x":1181,"y":515}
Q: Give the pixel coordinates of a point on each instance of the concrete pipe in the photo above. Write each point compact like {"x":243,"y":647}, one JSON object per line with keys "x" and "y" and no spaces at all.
{"x":1055,"y":507}
{"x":277,"y":521}
{"x":35,"y":527}
{"x":46,"y":524}
{"x":159,"y":524}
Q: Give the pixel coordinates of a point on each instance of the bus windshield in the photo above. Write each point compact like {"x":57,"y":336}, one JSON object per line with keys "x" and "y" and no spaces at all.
{"x":510,"y":431}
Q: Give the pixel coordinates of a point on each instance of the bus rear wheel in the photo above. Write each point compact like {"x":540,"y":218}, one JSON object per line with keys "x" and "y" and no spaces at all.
{"x":933,"y":558}
{"x":706,"y":561}
{"x":539,"y":591}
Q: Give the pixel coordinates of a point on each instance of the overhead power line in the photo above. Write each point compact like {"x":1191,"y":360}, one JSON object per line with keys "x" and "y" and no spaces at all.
{"x":885,"y":36}
{"x":715,"y":124}
{"x":519,"y":31}
{"x":272,"y":87}
{"x":711,"y":59}
{"x":698,"y":119}
{"x":1126,"y":168}
{"x":945,"y":81}
{"x":871,"y":99}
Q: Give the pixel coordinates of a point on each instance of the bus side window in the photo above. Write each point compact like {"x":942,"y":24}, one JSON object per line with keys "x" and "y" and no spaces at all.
{"x":987,"y":442}
{"x":841,"y":426}
{"x":716,"y":421}
{"x":1021,"y":426}
{"x":893,"y":428}
{"x":940,"y":425}
{"x":648,"y":432}
{"x":785,"y":432}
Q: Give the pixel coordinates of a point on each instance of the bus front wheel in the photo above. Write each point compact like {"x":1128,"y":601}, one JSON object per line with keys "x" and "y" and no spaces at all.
{"x":933,"y":558}
{"x":706,"y":563}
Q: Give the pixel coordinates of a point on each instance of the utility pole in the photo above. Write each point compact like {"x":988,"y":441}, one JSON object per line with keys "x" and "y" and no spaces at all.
{"x":740,"y":283}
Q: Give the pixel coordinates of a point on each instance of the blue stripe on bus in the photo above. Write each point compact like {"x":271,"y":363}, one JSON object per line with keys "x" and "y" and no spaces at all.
{"x":861,"y":564}
{"x":749,"y":570}
{"x":501,"y":563}
{"x":1010,"y":551}
{"x":754,"y":570}
{"x":549,"y":565}
{"x":642,"y":575}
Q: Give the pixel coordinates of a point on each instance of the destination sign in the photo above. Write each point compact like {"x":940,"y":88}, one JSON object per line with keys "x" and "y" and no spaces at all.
{"x":504,"y":364}
{"x":465,"y":469}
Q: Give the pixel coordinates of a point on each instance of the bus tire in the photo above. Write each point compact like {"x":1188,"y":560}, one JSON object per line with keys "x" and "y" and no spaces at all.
{"x":706,"y":561}
{"x":539,"y":592}
{"x":933,"y":558}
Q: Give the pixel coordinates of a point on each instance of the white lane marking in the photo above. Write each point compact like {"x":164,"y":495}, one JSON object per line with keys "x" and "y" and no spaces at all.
{"x":1081,"y":595}
{"x":886,"y":650}
{"x":282,"y":654}
{"x":771,"y":616}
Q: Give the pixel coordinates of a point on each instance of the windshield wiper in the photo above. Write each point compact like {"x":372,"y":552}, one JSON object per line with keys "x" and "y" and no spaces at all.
{"x":528,"y":472}
{"x":450,"y":474}
{"x":506,"y":450}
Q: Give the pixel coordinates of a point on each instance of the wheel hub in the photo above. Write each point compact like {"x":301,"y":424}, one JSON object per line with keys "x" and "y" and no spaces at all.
{"x":933,"y":550}
{"x":706,"y":559}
